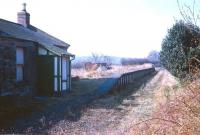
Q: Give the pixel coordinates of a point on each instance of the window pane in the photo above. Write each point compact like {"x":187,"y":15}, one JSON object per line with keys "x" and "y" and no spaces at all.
{"x":64,"y":69}
{"x":55,"y":84}
{"x":55,"y":66}
{"x":64,"y":86}
{"x":19,"y":56}
{"x":19,"y":73}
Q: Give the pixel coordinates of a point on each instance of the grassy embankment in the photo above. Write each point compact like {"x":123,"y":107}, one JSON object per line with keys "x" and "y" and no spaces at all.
{"x":177,"y":112}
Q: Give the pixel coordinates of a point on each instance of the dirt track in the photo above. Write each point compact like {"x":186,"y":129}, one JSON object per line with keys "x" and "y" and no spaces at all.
{"x":117,"y":112}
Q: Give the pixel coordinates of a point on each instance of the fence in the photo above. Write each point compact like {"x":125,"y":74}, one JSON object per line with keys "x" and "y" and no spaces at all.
{"x":117,"y":81}
{"x":130,"y":77}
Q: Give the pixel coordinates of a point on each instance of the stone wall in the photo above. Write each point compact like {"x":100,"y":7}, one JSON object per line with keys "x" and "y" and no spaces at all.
{"x":30,"y":66}
{"x":8,"y":83}
{"x":7,"y":67}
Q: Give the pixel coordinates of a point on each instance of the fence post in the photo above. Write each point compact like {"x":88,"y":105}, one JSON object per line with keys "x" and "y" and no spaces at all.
{"x":124,"y":80}
{"x":121,"y":81}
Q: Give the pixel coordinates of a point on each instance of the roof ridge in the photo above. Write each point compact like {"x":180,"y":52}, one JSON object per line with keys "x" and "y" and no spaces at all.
{"x":31,"y":33}
{"x":50,"y":35}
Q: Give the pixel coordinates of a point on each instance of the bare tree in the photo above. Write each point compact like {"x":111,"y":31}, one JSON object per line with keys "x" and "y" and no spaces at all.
{"x":189,"y":12}
{"x":95,"y":57}
{"x":107,"y":59}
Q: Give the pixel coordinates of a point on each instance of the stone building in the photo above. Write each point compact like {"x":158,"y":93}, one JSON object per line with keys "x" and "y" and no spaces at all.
{"x":32,"y":61}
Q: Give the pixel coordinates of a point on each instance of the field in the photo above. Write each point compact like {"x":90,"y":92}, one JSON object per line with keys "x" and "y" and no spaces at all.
{"x":105,"y":74}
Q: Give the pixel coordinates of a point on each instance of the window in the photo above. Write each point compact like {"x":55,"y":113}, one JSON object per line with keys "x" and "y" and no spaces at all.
{"x":42,"y":51}
{"x":19,"y":64}
{"x":65,"y":69}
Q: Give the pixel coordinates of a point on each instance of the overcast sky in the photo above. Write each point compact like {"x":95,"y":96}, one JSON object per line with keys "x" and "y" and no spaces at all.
{"x":129,"y":28}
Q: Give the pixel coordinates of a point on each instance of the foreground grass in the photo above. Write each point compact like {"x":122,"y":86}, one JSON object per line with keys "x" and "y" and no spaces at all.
{"x":9,"y":112}
{"x":179,"y":114}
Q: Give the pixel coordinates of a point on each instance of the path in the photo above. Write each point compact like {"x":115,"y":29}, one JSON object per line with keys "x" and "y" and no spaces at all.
{"x":115,"y":114}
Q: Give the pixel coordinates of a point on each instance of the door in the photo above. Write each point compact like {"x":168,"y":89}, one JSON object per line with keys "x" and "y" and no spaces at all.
{"x":45,"y":75}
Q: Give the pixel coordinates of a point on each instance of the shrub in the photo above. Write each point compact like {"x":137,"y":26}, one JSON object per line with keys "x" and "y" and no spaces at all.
{"x":180,"y":44}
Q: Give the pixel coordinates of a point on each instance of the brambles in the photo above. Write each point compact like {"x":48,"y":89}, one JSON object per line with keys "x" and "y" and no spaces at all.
{"x":179,"y":115}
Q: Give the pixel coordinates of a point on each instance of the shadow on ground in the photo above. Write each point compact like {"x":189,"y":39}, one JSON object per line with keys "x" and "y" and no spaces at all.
{"x":46,"y":112}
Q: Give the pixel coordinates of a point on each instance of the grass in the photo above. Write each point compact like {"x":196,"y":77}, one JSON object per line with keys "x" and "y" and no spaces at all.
{"x":84,"y":86}
{"x":9,"y":112}
{"x":105,"y":113}
{"x":79,"y":87}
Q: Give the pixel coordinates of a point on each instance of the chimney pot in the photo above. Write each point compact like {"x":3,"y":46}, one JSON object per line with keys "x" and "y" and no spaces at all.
{"x":24,"y":6}
{"x":23,"y":17}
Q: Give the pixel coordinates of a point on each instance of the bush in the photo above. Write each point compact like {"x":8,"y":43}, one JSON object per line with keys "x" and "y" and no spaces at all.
{"x":180,"y":44}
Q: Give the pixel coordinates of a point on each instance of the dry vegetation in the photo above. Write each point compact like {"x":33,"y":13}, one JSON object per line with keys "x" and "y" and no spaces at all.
{"x":116,"y":113}
{"x":82,"y":73}
{"x":179,"y":114}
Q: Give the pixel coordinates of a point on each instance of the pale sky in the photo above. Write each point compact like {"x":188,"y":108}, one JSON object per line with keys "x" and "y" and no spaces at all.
{"x":125,"y":28}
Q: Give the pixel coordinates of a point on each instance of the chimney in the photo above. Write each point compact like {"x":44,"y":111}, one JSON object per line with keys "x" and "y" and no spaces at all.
{"x":23,"y":17}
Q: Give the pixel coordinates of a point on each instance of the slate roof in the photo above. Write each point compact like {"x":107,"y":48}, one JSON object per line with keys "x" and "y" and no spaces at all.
{"x":15,"y":30}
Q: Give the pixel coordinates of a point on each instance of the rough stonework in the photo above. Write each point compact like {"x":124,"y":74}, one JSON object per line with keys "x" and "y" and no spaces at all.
{"x":8,"y":83}
{"x":7,"y":68}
